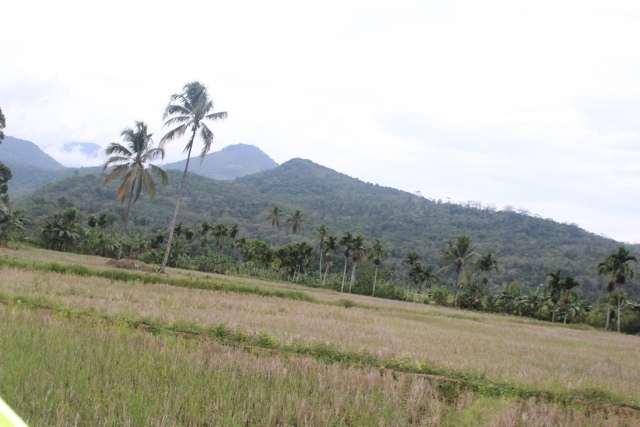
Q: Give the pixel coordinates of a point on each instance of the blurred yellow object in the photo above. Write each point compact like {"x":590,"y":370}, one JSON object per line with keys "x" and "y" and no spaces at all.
{"x":8,"y":418}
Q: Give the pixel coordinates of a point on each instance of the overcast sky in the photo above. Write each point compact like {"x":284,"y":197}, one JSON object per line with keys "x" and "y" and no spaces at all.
{"x":529,"y":104}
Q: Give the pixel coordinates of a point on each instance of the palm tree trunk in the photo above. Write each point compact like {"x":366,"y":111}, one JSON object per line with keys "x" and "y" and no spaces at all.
{"x":320,"y":265}
{"x":175,"y":213}
{"x":126,"y":221}
{"x":455,"y":287}
{"x":353,"y":275}
{"x":606,"y":327}
{"x":375,"y":278}
{"x":344,"y":274}
{"x":619,"y":301}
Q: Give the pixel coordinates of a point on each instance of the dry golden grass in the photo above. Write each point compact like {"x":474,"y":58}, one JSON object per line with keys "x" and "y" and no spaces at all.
{"x":516,"y":351}
{"x":62,"y":372}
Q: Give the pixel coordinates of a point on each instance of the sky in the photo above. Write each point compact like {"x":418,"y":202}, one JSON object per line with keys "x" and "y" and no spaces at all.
{"x":534,"y":105}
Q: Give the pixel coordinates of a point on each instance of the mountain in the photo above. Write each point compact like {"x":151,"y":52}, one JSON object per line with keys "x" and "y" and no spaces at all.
{"x":527,"y":247}
{"x":230,"y":162}
{"x":32,"y":168}
{"x":14,"y":151}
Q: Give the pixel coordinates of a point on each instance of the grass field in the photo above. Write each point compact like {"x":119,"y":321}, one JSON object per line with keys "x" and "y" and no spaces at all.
{"x":196,"y":349}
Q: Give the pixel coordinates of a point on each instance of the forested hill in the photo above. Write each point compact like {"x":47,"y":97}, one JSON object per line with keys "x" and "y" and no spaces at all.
{"x":527,"y":247}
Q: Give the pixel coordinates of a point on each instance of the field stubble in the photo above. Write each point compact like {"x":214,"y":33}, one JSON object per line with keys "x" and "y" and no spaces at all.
{"x":527,"y":354}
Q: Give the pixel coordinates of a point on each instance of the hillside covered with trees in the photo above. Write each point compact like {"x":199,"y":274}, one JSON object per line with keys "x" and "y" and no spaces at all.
{"x":527,"y":247}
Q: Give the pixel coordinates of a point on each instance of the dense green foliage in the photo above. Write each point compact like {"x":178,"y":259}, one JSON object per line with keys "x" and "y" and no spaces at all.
{"x":527,"y":247}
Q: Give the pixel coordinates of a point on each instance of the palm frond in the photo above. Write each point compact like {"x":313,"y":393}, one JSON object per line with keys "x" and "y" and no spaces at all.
{"x":216,"y":116}
{"x":173,"y":133}
{"x":146,"y":181}
{"x":115,"y":173}
{"x":207,"y":138}
{"x":160,"y":173}
{"x":116,"y":148}
{"x":177,"y":119}
{"x":152,"y":154}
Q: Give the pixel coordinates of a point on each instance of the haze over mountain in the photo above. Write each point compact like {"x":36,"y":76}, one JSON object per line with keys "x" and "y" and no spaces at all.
{"x":230,"y":162}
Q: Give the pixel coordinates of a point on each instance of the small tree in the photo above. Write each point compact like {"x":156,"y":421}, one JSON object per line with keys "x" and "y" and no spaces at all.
{"x":457,"y":254}
{"x":616,"y":264}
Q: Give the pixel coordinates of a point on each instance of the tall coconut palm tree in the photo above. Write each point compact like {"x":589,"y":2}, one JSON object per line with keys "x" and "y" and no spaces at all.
{"x":275,"y":218}
{"x":378,"y":255}
{"x":321,"y":235}
{"x":295,"y":220}
{"x":188,"y":110}
{"x":616,"y":264}
{"x":358,"y":252}
{"x":346,"y":242}
{"x":457,"y":254}
{"x":133,"y":168}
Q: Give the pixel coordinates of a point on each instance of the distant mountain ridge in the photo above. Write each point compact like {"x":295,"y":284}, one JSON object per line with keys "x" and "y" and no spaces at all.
{"x":32,"y":168}
{"x":229,"y":163}
{"x":18,"y":151}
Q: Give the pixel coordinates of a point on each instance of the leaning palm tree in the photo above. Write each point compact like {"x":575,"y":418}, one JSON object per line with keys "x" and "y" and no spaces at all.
{"x":457,"y":255}
{"x":295,"y":220}
{"x":616,"y":264}
{"x":377,"y":254}
{"x":188,"y":110}
{"x":133,"y":168}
